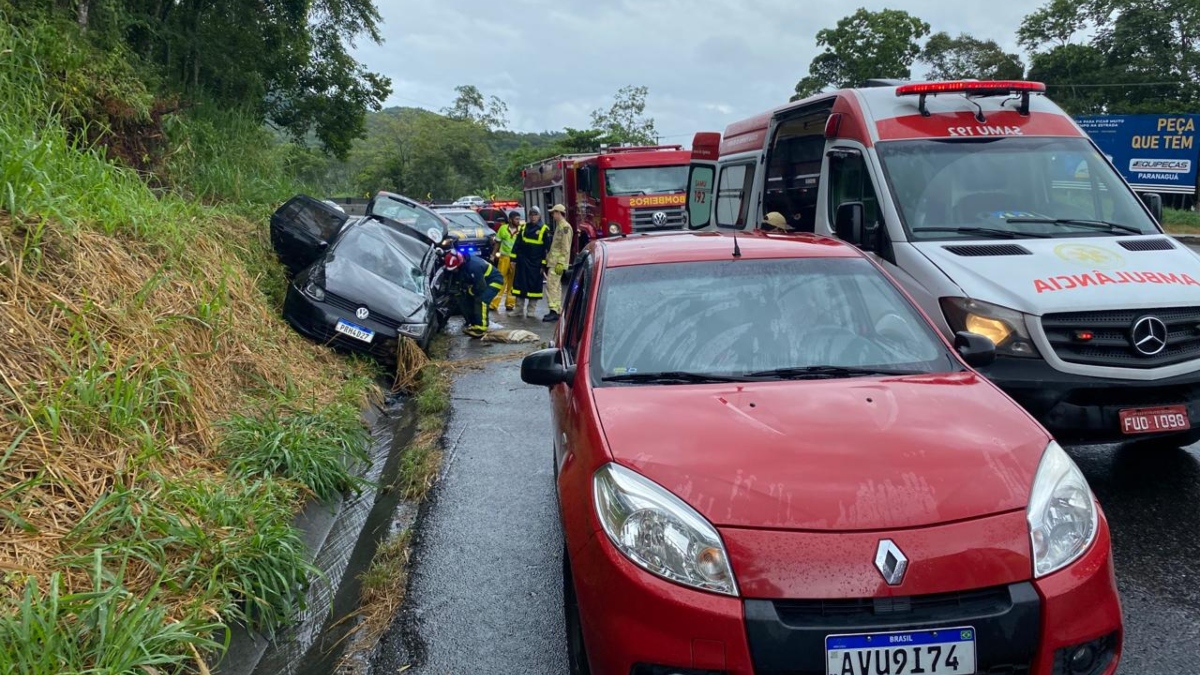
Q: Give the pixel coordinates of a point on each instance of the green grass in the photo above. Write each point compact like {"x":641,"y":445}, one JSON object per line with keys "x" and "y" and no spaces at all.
{"x":423,"y":456}
{"x":229,"y":547}
{"x":315,"y":449}
{"x":1181,"y":222}
{"x":104,"y":630}
{"x":157,"y":524}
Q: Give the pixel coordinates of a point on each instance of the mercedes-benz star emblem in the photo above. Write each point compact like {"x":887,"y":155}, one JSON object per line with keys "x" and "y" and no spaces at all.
{"x":890,"y":562}
{"x":1149,"y":335}
{"x":362,"y":313}
{"x":659,"y":218}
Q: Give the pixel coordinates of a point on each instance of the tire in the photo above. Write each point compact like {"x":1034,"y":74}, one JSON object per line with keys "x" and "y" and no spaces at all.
{"x":577,"y":660}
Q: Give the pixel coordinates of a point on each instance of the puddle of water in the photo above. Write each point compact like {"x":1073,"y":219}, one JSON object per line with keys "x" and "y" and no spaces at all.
{"x":312,"y":644}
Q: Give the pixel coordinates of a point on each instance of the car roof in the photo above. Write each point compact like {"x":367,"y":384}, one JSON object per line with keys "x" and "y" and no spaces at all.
{"x":710,"y":246}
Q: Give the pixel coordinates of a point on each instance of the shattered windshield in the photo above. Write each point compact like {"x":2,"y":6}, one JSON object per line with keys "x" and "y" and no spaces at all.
{"x":746,"y":316}
{"x":655,"y":180}
{"x":380,"y":251}
{"x":1038,"y":187}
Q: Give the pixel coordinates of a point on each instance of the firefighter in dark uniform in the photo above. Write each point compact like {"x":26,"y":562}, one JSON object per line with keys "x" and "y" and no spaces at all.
{"x":529,"y":252}
{"x":480,"y":282}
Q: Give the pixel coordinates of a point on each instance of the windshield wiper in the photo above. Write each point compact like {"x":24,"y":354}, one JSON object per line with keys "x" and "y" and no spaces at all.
{"x":827,"y":372}
{"x":1114,"y":228}
{"x":995,"y":232}
{"x":674,"y":377}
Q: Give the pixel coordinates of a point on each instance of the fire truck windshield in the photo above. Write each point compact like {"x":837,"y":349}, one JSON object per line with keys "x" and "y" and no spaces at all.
{"x":648,"y":180}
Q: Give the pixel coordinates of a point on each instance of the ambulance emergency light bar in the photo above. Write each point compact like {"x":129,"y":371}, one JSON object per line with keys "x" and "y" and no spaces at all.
{"x":972,"y":88}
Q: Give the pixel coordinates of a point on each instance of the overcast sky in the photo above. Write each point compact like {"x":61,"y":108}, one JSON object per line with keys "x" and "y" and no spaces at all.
{"x":706,"y":62}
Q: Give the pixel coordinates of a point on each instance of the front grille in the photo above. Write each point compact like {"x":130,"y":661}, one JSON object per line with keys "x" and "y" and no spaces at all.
{"x":918,"y":608}
{"x":1111,"y":344}
{"x":643,"y":219}
{"x":1147,"y":245}
{"x":788,"y":637}
{"x":988,"y":250}
{"x":352,"y":307}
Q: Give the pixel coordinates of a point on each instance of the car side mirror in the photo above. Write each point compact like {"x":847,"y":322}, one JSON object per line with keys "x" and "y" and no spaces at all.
{"x":1153,"y":201}
{"x":977,"y":350}
{"x":545,"y":368}
{"x":848,"y":223}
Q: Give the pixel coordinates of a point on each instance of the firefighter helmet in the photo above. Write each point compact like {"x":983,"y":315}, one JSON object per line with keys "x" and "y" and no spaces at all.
{"x":453,"y":260}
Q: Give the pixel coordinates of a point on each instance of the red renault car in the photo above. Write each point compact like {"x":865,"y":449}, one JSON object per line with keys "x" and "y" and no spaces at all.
{"x":768,"y":461}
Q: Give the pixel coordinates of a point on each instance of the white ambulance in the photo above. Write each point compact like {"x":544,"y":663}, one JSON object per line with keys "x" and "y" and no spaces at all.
{"x":1002,"y":218}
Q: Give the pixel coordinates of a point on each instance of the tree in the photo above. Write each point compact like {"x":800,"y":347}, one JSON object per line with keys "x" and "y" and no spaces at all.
{"x":862,"y":46}
{"x":1144,"y":56}
{"x":963,"y":57}
{"x":1054,"y":24}
{"x":471,"y":107}
{"x":626,"y":121}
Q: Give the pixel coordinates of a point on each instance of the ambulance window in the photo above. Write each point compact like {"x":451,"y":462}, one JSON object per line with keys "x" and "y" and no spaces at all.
{"x":1078,"y":192}
{"x":733,"y":192}
{"x":850,"y":181}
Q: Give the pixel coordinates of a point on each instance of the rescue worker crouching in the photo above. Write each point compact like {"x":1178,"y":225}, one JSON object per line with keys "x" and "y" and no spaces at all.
{"x":480,"y":283}
{"x":502,"y":253}
{"x":529,"y":253}
{"x":557,"y":260}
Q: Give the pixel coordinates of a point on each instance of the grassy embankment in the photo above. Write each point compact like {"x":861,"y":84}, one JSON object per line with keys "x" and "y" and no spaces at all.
{"x":159,"y":424}
{"x":1181,"y":222}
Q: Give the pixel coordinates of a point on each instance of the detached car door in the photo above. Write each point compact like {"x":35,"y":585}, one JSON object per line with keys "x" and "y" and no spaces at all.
{"x":301,"y":229}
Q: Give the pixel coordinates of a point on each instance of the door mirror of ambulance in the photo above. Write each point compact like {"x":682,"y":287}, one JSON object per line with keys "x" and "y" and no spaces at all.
{"x":977,"y":350}
{"x":545,"y":369}
{"x":1153,"y":201}
{"x":848,"y":223}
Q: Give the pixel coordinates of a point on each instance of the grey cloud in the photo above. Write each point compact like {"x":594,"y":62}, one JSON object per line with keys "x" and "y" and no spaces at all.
{"x":706,"y":62}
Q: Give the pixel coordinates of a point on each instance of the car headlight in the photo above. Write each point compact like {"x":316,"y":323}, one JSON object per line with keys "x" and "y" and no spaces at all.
{"x":415,"y":330}
{"x":312,"y":290}
{"x":659,"y":532}
{"x":1062,"y":512}
{"x":614,"y":228}
{"x":1003,"y":326}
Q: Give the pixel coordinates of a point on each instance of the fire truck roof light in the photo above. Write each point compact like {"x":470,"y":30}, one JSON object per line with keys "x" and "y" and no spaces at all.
{"x":970,"y":86}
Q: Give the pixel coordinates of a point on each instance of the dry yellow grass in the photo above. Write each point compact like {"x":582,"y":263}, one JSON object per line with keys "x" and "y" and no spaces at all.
{"x":87,"y":314}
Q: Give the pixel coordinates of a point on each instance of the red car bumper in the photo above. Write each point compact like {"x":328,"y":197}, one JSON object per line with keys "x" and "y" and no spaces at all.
{"x":635,"y":623}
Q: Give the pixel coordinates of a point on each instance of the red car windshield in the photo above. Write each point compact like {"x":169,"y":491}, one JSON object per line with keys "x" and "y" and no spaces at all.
{"x":748,"y":316}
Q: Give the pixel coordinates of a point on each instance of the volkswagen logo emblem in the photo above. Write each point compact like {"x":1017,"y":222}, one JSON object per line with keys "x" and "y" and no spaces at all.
{"x":890,"y":562}
{"x":659,"y":218}
{"x":362,"y":313}
{"x":1149,"y":335}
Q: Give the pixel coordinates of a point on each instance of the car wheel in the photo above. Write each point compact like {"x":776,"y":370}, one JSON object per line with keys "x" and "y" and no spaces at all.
{"x":577,"y":660}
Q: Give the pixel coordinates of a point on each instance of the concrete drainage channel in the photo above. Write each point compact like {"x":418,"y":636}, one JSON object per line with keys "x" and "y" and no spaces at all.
{"x":345,"y":535}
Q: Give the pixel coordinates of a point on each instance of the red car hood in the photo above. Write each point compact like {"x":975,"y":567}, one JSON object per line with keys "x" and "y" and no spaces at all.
{"x":829,"y":455}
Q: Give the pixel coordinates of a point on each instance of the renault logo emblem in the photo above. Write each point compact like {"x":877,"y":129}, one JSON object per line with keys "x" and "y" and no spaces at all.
{"x":362,"y":313}
{"x":890,"y":562}
{"x":659,"y":218}
{"x":1149,"y":335}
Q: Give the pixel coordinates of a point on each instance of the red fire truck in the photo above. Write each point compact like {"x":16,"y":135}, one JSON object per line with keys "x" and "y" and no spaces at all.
{"x":619,"y":190}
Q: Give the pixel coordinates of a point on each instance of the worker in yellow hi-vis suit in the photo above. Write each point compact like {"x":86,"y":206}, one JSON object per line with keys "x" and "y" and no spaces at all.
{"x":502,"y":252}
{"x":557,"y":260}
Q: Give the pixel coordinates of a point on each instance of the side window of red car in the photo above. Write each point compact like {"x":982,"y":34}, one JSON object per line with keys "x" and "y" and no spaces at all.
{"x":576,"y":304}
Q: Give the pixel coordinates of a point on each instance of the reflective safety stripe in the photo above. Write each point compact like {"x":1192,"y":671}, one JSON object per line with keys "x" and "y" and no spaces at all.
{"x":498,"y":285}
{"x":541,"y":236}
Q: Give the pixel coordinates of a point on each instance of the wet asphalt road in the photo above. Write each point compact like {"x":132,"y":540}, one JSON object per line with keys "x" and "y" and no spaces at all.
{"x":485,"y":594}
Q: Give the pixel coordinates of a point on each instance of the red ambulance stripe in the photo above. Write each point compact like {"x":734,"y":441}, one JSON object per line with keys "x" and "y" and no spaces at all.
{"x":964,"y":125}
